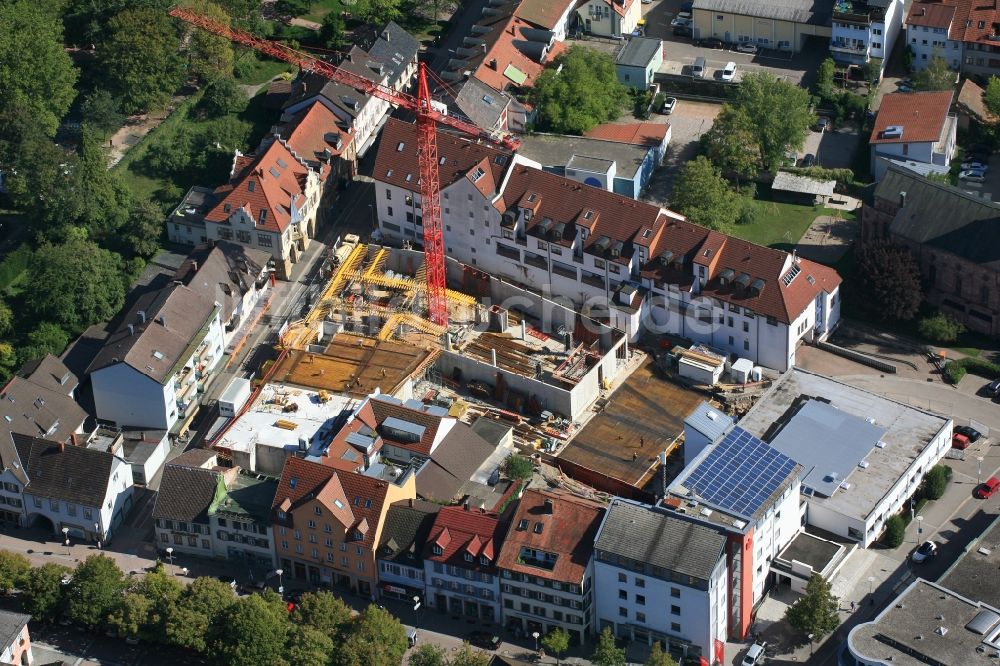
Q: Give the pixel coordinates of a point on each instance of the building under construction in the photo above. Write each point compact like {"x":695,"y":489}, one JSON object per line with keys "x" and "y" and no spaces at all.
{"x":511,"y":348}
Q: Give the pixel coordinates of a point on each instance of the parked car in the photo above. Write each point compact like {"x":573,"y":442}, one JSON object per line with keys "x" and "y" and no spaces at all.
{"x":712,"y":43}
{"x":822,"y":124}
{"x":960,"y":441}
{"x":926,"y":551}
{"x":969,"y":432}
{"x":747,"y":47}
{"x":993,"y":388}
{"x":755,"y":655}
{"x":728,"y":72}
{"x":987,"y":488}
{"x":809,"y":160}
{"x":681,"y":22}
{"x":669,"y":104}
{"x":973,"y":175}
{"x":975,"y":165}
{"x":682,"y":31}
{"x":685,"y":15}
{"x":483,"y":640}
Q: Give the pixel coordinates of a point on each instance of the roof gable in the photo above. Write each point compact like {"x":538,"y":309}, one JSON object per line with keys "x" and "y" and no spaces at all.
{"x":70,"y":473}
{"x":921,"y":115}
{"x":460,"y":531}
{"x":187,"y":493}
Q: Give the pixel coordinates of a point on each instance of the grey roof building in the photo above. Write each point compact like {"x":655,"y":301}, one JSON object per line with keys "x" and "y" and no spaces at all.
{"x":71,"y":473}
{"x":458,"y":458}
{"x":187,"y":493}
{"x":482,"y":104}
{"x":639,"y":51}
{"x":407,"y":525}
{"x":397,"y":50}
{"x":813,"y":12}
{"x":12,"y":630}
{"x":38,"y":402}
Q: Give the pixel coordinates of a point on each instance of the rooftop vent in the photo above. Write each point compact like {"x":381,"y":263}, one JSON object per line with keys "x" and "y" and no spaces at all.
{"x":863,"y":464}
{"x":880,"y":444}
{"x":941,"y":631}
{"x":844,"y":485}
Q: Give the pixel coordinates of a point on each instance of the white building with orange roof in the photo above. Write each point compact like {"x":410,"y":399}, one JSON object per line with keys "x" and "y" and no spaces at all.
{"x":609,"y":18}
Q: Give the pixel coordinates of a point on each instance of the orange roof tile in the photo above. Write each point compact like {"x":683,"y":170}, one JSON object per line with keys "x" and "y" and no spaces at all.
{"x":543,"y":13}
{"x":921,"y":114}
{"x":965,"y":20}
{"x":314,"y":131}
{"x":636,"y":134}
{"x":507,"y":46}
{"x":457,"y":531}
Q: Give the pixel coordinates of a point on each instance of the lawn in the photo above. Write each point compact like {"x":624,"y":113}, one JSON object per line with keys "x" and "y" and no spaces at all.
{"x":782,"y":224}
{"x":321,"y":8}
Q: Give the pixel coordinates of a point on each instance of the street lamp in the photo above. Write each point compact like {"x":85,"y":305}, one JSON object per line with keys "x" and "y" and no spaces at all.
{"x":920,"y":526}
{"x":416,"y":611}
{"x":979,"y":469}
{"x":871,"y":590}
{"x":184,"y":571}
{"x":170,"y":558}
{"x":281,"y":590}
{"x":811,"y":637}
{"x":534,"y":635}
{"x":65,"y":532}
{"x":97,"y":533}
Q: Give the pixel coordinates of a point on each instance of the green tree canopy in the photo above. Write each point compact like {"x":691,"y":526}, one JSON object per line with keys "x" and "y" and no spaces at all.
{"x":8,"y":360}
{"x":252,"y":630}
{"x":780,"y":113}
{"x":6,"y":318}
{"x":74,"y":284}
{"x":323,"y":612}
{"x":703,"y":195}
{"x":376,"y":638}
{"x":36,"y":74}
{"x":163,"y":592}
{"x":45,"y":338}
{"x":657,"y":657}
{"x":556,"y":641}
{"x":377,"y":11}
{"x":518,"y":467}
{"x":131,"y":618}
{"x":202,"y":601}
{"x":95,"y":590}
{"x":895,"y":531}
{"x":142,"y":59}
{"x":816,"y":611}
{"x":428,"y":654}
{"x":466,"y":656}
{"x":210,"y":57}
{"x":941,"y":328}
{"x":607,"y":652}
{"x":102,"y":113}
{"x":935,"y":76}
{"x":824,"y":78}
{"x":87,"y":21}
{"x":991,"y":96}
{"x":583,"y":94}
{"x":333,"y":32}
{"x":43,"y":592}
{"x":144,"y":229}
{"x":936,"y":482}
{"x":14,"y":568}
{"x":891,"y":280}
{"x":308,"y":647}
{"x":224,"y":97}
{"x":731,"y":144}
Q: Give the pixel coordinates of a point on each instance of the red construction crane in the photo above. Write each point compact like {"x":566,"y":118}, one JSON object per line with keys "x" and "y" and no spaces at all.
{"x":427,"y":120}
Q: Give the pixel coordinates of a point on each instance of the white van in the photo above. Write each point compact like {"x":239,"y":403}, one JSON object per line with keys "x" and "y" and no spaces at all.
{"x":754,"y":655}
{"x":698,"y":68}
{"x":728,"y":72}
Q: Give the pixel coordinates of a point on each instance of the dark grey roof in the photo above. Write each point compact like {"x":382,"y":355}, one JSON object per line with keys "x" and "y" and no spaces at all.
{"x":195,"y":205}
{"x":176,"y":319}
{"x":395,"y":48}
{"x":452,"y":463}
{"x":944,"y":217}
{"x":186,"y":493}
{"x":481,"y":103}
{"x":646,"y":534}
{"x":554,"y":151}
{"x":407,"y":525}
{"x":65,"y":472}
{"x":814,"y":12}
{"x":11,"y":625}
{"x":639,"y":52}
{"x":51,"y":373}
{"x":309,"y":86}
{"x":30,"y":406}
{"x":492,"y":430}
{"x":223,"y":272}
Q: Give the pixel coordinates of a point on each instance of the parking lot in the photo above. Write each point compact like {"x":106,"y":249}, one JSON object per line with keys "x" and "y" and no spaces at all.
{"x":687,"y":123}
{"x":990,"y":188}
{"x":835,"y":148}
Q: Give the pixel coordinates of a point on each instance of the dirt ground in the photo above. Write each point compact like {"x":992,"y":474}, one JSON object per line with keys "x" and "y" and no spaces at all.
{"x":135,"y":129}
{"x":640,"y":420}
{"x":828,"y":239}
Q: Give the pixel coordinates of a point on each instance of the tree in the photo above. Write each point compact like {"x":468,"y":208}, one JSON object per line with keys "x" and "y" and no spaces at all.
{"x":332,"y":31}
{"x":780,"y":113}
{"x":376,"y":638}
{"x":377,"y":11}
{"x":46,"y":338}
{"x":210,"y":57}
{"x":556,"y":641}
{"x":824,"y":78}
{"x":657,"y":657}
{"x":466,"y":656}
{"x":145,"y":227}
{"x":991,"y":96}
{"x":323,"y":612}
{"x":291,"y":7}
{"x":224,"y":97}
{"x":201,"y":602}
{"x":74,"y":284}
{"x":941,"y":328}
{"x":607,"y":653}
{"x":936,"y":482}
{"x":895,"y":531}
{"x":434,"y":8}
{"x":14,"y":568}
{"x":935,"y":76}
{"x":518,"y":468}
{"x":163,"y":592}
{"x":730,"y":143}
{"x":102,"y":113}
{"x":703,"y":195}
{"x":251,"y":630}
{"x":42,"y":592}
{"x":309,"y":647}
{"x":95,"y":590}
{"x":584,"y":93}
{"x":8,"y":360}
{"x":87,"y":21}
{"x":131,"y":617}
{"x":815,"y":612}
{"x":6,"y":318}
{"x":36,"y":73}
{"x":891,"y":279}
{"x":141,"y":59}
{"x":428,"y":654}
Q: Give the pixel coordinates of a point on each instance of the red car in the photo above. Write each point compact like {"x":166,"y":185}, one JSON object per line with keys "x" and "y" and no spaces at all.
{"x":960,"y":441}
{"x":987,"y":489}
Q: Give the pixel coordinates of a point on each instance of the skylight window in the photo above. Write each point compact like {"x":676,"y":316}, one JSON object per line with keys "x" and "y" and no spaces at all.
{"x":477,"y":174}
{"x":337,"y":503}
{"x":647,"y":233}
{"x":522,"y":524}
{"x":400,"y":146}
{"x":409,"y":177}
{"x":251,"y":185}
{"x":388,"y":174}
{"x":442,"y":161}
{"x":538,"y":528}
{"x":274,"y":172}
{"x":158,"y":355}
{"x":281,"y":163}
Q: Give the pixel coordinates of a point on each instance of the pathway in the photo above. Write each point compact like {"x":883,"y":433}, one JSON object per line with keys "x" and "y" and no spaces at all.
{"x":135,"y":130}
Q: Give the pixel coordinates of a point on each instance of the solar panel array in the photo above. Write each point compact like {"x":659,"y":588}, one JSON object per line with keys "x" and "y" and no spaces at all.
{"x":739,"y":473}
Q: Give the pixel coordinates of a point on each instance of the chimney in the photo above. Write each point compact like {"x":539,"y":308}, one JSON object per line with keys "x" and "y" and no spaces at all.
{"x":411,"y":502}
{"x":484,"y":49}
{"x":194,"y":264}
{"x":902,"y":199}
{"x":548,"y":506}
{"x":465,"y":504}
{"x":62,"y":447}
{"x":72,"y":438}
{"x":162,"y":320}
{"x":493,"y":357}
{"x":142,"y":316}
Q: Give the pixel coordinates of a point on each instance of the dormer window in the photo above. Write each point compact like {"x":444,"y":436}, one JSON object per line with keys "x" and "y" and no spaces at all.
{"x":318,"y":511}
{"x":358,"y":536}
{"x":538,"y":528}
{"x":438,"y":550}
{"x":468,"y":557}
{"x":282,"y":515}
{"x":522,"y":524}
{"x":485,"y":561}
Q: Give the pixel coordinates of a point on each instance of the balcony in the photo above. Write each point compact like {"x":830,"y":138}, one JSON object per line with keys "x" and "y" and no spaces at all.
{"x":593,"y":280}
{"x":857,"y":12}
{"x":536,"y":260}
{"x":859,"y":48}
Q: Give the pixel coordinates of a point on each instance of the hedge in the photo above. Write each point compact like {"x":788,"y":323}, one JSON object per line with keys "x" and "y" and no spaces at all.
{"x":843,"y":177}
{"x":958,"y":368}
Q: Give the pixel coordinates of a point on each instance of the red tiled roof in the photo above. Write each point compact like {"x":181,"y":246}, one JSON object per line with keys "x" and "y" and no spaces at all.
{"x":922,"y":116}
{"x":568,"y":532}
{"x":262,"y":185}
{"x":931,"y":14}
{"x":636,"y":134}
{"x":966,"y":20}
{"x":362,"y":496}
{"x":543,"y":13}
{"x":622,"y":7}
{"x":506,"y":45}
{"x":458,"y":530}
{"x":308,"y":131}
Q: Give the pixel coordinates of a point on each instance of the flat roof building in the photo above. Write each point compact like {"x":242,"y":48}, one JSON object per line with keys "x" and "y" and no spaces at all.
{"x":863,"y":455}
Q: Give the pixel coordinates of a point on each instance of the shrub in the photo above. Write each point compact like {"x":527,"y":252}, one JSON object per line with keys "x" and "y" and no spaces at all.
{"x":518,"y":467}
{"x":941,"y":328}
{"x":895,"y":531}
{"x":954,"y":372}
{"x":958,"y":368}
{"x":842,"y":176}
{"x":935,"y":482}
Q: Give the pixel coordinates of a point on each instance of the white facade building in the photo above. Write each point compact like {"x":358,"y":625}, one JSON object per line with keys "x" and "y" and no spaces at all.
{"x":862,"y":31}
{"x":659,"y":578}
{"x":647,"y":268}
